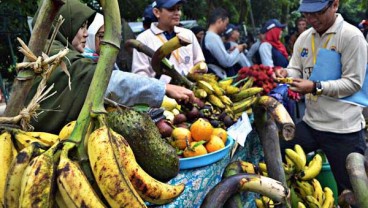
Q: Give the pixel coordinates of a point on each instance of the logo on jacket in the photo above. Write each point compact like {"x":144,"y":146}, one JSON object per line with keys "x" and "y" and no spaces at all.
{"x":186,"y":59}
{"x":304,"y":52}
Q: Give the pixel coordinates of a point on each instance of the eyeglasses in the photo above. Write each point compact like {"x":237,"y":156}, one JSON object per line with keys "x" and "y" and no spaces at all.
{"x":319,"y":13}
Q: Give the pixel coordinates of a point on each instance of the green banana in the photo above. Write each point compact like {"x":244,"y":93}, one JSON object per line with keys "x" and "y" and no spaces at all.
{"x":248,"y":84}
{"x":306,"y":186}
{"x":312,"y":202}
{"x":225,"y":82}
{"x":243,"y":105}
{"x":200,"y":93}
{"x":205,"y":86}
{"x":226,"y":100}
{"x":214,"y":100}
{"x":247,"y":93}
{"x":231,"y":90}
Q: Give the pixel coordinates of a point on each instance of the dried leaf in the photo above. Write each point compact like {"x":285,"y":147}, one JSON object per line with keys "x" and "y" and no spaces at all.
{"x":65,"y":69}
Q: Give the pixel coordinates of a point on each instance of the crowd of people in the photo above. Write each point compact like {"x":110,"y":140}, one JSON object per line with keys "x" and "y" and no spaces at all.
{"x":328,"y":124}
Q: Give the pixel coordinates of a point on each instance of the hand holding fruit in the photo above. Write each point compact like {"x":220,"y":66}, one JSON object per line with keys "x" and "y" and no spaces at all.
{"x":280,"y":72}
{"x":179,"y":93}
{"x":302,"y":86}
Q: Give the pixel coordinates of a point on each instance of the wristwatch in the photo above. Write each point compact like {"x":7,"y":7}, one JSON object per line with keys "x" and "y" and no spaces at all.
{"x":318,"y":89}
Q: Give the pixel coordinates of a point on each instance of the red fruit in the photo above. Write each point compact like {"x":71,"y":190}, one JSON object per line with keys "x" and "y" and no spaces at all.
{"x":269,"y":72}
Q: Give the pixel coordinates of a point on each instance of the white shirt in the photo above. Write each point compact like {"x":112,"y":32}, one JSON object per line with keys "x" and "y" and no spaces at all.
{"x":327,"y":113}
{"x":183,"y":58}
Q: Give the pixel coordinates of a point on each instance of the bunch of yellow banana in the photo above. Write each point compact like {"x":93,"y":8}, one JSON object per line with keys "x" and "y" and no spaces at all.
{"x":297,"y":157}
{"x":311,"y":194}
{"x":14,"y":176}
{"x":296,"y":164}
{"x":224,"y":95}
{"x":21,"y":182}
{"x":121,"y":180}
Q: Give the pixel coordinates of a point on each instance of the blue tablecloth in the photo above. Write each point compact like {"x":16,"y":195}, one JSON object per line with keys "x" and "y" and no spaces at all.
{"x":199,"y":181}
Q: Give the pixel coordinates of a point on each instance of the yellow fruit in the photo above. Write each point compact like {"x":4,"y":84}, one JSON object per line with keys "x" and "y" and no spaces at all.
{"x":214,"y":144}
{"x":194,"y":150}
{"x":181,"y":136}
{"x":201,"y":130}
{"x":67,"y":130}
{"x":220,"y":132}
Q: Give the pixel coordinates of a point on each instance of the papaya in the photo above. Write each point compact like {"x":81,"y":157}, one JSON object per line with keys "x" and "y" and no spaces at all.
{"x":153,"y":154}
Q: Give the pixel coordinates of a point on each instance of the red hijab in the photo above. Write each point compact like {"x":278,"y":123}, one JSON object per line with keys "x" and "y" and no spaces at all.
{"x":273,"y":37}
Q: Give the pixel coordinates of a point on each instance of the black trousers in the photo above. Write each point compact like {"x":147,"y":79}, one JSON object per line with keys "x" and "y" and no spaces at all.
{"x":335,"y":146}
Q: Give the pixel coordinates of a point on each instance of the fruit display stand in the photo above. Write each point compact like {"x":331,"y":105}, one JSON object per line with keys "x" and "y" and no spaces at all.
{"x":199,"y":181}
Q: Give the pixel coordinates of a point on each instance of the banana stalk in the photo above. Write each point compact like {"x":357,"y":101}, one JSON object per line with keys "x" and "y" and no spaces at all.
{"x":358,"y":178}
{"x":269,"y":136}
{"x":95,"y":96}
{"x":41,"y":30}
{"x":245,"y":182}
{"x":161,"y":60}
{"x":279,"y":113}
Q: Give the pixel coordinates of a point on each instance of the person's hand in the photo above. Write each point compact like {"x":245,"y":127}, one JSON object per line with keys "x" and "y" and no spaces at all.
{"x":302,"y":86}
{"x":279,"y":72}
{"x":180,"y":94}
{"x":241,"y":47}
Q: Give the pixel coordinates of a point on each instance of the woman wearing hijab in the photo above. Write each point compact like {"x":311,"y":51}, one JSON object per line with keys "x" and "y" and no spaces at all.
{"x":272,"y":51}
{"x":66,"y":104}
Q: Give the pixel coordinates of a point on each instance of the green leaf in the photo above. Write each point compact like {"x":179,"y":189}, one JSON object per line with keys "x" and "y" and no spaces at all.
{"x":141,"y":108}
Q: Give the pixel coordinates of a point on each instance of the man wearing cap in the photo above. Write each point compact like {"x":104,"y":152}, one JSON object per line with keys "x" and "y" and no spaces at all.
{"x":232,"y":36}
{"x":272,"y":51}
{"x":329,"y":124}
{"x":168,"y":14}
{"x":219,"y":61}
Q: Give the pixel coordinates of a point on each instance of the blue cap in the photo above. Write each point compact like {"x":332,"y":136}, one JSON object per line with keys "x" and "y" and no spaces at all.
{"x":148,"y":14}
{"x":166,"y":3}
{"x":313,"y":5}
{"x":272,"y":23}
{"x":229,"y":29}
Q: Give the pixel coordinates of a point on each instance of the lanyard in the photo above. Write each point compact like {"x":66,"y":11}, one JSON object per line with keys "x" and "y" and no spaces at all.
{"x":175,"y":53}
{"x":324,"y":46}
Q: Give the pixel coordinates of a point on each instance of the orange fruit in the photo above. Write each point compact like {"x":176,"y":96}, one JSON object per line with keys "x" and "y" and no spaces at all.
{"x":201,"y":130}
{"x":214,"y":144}
{"x":194,"y":150}
{"x":220,"y":132}
{"x":181,"y":136}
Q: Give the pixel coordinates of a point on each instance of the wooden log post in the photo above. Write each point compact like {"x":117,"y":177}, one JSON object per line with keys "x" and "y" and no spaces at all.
{"x":24,"y":80}
{"x":358,"y":178}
